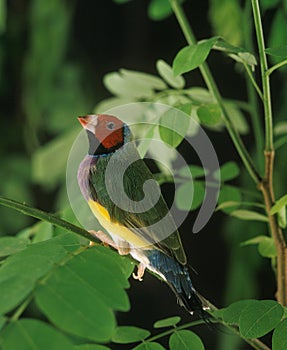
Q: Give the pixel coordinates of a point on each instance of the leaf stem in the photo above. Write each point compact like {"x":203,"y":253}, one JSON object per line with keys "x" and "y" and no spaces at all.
{"x":21,"y":308}
{"x":172,"y":330}
{"x":276,"y":66}
{"x":255,"y":343}
{"x":44,"y":216}
{"x":250,"y":75}
{"x":208,"y":78}
{"x":252,"y":98}
{"x":264,"y":76}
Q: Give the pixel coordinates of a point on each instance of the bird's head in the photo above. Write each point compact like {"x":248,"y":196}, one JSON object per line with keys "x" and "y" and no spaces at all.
{"x":106,"y":133}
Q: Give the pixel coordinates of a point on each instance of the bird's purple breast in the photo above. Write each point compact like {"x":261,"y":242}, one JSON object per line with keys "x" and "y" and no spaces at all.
{"x":83,"y":176}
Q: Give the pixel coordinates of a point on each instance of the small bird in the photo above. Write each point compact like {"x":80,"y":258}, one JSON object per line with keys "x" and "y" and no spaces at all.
{"x":132,"y":231}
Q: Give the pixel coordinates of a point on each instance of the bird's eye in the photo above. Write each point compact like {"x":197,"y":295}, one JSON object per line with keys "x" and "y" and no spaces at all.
{"x":110,"y":125}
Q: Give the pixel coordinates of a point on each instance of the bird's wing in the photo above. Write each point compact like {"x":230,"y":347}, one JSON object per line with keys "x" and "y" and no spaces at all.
{"x":152,"y":225}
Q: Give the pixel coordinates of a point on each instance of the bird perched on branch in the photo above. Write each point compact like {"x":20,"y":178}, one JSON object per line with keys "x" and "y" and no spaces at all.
{"x":122,"y":194}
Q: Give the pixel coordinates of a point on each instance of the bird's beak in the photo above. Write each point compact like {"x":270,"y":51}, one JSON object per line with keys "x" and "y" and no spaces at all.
{"x":83,"y":121}
{"x":89,"y":122}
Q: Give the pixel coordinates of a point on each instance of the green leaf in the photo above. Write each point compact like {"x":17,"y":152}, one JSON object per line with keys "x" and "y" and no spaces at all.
{"x":237,"y":117}
{"x":3,"y":16}
{"x":279,"y":204}
{"x":149,"y":346}
{"x":280,"y":128}
{"x":123,"y":85}
{"x":232,"y":313}
{"x":167,"y":322}
{"x":248,"y":215}
{"x":254,"y":240}
{"x":259,"y":318}
{"x":159,"y":9}
{"x":27,"y":334}
{"x":19,"y":273}
{"x":49,"y":161}
{"x":12,"y":245}
{"x":226,"y":18}
{"x":267,"y":4}
{"x":281,"y":141}
{"x":192,"y":56}
{"x":191,"y":171}
{"x":199,"y":95}
{"x":209,"y":114}
{"x":129,"y":334}
{"x":229,"y":194}
{"x":185,"y":340}
{"x":245,"y":57}
{"x":189,"y":195}
{"x":278,"y":33}
{"x":279,"y":51}
{"x":267,"y":248}
{"x":228,"y":171}
{"x":166,"y":72}
{"x":88,"y":286}
{"x":172,"y":127}
{"x":39,"y":232}
{"x":228,"y":205}
{"x":151,"y":81}
{"x":3,"y":320}
{"x":281,"y":217}
{"x":279,"y":338}
{"x":90,"y":347}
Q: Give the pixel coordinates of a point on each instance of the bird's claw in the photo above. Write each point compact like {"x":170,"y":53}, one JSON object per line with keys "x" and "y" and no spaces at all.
{"x":138,"y":276}
{"x":108,"y":242}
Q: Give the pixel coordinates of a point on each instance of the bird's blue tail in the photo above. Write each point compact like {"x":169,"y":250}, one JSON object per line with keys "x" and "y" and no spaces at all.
{"x":178,"y":278}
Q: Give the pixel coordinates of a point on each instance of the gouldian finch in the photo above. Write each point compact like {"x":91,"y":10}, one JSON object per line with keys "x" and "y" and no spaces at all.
{"x":131,"y":231}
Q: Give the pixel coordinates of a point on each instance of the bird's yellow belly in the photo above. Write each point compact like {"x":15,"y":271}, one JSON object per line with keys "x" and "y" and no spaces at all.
{"x":114,"y":228}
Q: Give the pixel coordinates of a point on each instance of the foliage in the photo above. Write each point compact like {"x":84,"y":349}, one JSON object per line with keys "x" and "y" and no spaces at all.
{"x":49,"y":279}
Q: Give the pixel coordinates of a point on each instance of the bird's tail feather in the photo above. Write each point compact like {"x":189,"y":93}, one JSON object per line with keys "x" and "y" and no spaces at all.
{"x":188,"y":297}
{"x":178,"y":278}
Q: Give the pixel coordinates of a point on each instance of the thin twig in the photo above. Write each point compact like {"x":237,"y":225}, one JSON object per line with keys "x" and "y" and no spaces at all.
{"x":251,"y":77}
{"x":276,"y":66}
{"x":264,"y":76}
{"x":44,"y":216}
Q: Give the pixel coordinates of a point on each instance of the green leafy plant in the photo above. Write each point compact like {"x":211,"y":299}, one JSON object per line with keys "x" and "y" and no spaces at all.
{"x":54,"y":275}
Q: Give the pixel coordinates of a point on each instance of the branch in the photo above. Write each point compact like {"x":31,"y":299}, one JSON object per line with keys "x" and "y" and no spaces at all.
{"x":266,"y":185}
{"x":44,"y":216}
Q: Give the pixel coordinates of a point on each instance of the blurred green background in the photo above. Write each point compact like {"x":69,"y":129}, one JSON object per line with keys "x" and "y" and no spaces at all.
{"x":53,"y":57}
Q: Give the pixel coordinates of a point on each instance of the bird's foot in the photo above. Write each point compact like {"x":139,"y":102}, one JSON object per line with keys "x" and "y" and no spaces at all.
{"x":140,"y":272}
{"x":108,"y":242}
{"x":105,"y":239}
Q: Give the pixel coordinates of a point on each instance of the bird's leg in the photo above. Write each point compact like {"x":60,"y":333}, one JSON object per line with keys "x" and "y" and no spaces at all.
{"x":105,"y":239}
{"x":140,"y":272}
{"x":108,"y":242}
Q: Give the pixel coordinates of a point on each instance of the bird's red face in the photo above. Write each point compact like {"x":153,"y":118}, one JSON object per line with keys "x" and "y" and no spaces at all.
{"x":106,"y":129}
